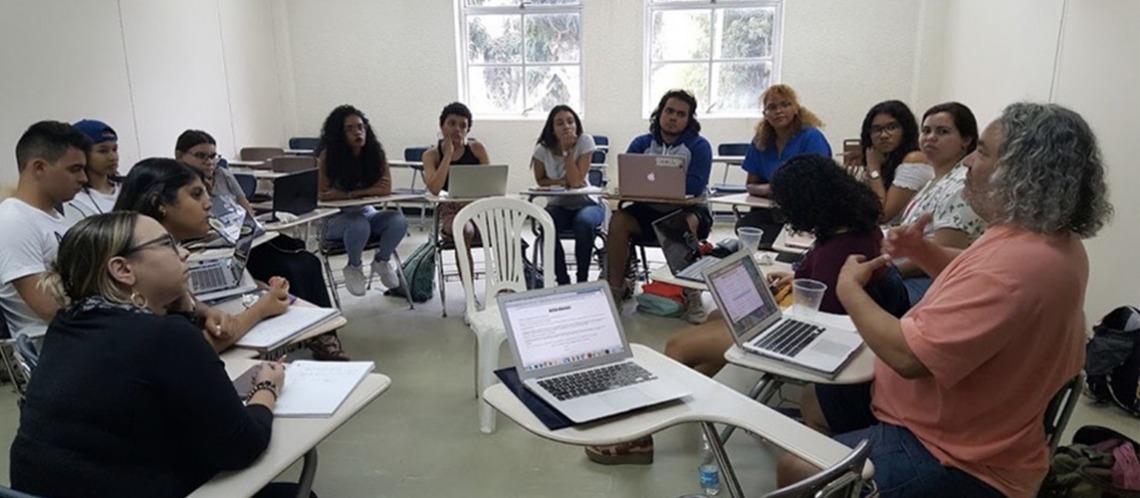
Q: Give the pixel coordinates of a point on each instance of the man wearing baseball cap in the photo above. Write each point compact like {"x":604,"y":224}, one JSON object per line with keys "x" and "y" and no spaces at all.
{"x":102,"y":188}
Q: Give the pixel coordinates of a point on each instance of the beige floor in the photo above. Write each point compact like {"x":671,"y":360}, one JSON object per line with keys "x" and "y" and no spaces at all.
{"x":421,"y":438}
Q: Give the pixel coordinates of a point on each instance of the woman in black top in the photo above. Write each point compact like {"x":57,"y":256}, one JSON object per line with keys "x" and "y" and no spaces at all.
{"x":127,"y":399}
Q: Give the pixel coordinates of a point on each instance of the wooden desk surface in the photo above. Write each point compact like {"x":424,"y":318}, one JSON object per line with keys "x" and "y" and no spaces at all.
{"x":292,"y":438}
{"x":710,"y":401}
{"x":743,"y":199}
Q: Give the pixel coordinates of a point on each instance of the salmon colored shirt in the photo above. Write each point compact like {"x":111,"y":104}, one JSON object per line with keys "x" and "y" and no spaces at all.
{"x":1001,"y":330}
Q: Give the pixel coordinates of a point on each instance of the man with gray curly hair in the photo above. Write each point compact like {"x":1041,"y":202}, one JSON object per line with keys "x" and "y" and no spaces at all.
{"x":962,"y":380}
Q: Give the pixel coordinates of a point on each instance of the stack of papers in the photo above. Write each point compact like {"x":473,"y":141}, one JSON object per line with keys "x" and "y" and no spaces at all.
{"x":279,"y":330}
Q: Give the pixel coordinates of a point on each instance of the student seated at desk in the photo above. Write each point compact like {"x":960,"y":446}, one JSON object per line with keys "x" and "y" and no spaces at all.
{"x":454,"y":148}
{"x":562,"y":158}
{"x":102,"y":187}
{"x":673,"y":131}
{"x":888,"y":159}
{"x":127,"y":400}
{"x":50,"y":157}
{"x":282,"y":256}
{"x":352,"y":164}
{"x":962,"y":381}
{"x":787,"y":130}
{"x":949,"y":134}
{"x":175,"y":195}
{"x":819,"y":198}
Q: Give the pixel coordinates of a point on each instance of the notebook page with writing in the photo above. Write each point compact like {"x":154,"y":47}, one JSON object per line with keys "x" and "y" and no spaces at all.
{"x":317,"y":388}
{"x":278,"y":330}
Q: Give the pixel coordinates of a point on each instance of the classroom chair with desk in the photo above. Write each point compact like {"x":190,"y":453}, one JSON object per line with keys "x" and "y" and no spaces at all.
{"x":260,"y":153}
{"x":500,"y":222}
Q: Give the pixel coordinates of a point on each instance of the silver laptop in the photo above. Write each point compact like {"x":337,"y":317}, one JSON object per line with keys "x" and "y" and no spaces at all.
{"x":472,"y":181}
{"x":681,"y":249}
{"x":758,"y":326}
{"x":571,"y":351}
{"x":212,"y":275}
{"x":654,"y":177}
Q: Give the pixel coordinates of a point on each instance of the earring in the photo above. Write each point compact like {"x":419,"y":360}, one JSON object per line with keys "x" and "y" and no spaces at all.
{"x":138,"y":299}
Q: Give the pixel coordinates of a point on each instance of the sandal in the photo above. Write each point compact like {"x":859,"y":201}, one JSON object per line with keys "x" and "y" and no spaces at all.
{"x":636,"y":452}
{"x":326,"y":347}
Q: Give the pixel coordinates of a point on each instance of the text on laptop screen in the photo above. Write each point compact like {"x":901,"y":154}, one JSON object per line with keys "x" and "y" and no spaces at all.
{"x":745,"y":303}
{"x":563,"y":328}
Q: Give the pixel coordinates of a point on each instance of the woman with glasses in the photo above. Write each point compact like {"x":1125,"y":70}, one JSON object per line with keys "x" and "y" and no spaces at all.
{"x":127,"y":399}
{"x":787,"y":130}
{"x":889,"y":160}
{"x":175,"y":195}
{"x":282,"y":256}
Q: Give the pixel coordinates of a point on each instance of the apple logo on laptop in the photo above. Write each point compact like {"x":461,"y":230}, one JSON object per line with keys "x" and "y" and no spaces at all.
{"x":651,"y":177}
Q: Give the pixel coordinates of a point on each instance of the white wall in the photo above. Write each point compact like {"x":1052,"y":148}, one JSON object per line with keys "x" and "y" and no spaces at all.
{"x":396,"y":60}
{"x":165,"y":66}
{"x":1084,"y":54}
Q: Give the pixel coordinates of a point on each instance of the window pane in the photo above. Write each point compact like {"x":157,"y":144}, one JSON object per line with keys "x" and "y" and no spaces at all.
{"x":691,"y":77}
{"x":495,"y":90}
{"x":553,"y":38}
{"x":494,"y":39}
{"x":738,"y":86}
{"x":680,"y":35}
{"x":548,"y":86}
{"x":744,"y":33}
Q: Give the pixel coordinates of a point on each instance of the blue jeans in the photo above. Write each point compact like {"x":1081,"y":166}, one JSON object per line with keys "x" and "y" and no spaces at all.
{"x":355,"y":227}
{"x":904,"y":468}
{"x":584,"y":222}
{"x":916,"y":287}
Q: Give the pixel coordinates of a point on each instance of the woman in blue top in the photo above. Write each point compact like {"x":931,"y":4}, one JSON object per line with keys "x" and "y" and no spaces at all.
{"x":787,"y":130}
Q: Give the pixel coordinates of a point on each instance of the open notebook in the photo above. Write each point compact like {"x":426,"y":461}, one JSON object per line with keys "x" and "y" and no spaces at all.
{"x":313,"y":389}
{"x":279,"y":330}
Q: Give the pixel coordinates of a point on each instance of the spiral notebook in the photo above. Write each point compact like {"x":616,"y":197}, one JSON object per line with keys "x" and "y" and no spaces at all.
{"x":316,"y":389}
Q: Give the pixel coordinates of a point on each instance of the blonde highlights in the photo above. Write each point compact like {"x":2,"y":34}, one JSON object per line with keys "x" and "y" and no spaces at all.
{"x":80,"y":269}
{"x":765,"y":133}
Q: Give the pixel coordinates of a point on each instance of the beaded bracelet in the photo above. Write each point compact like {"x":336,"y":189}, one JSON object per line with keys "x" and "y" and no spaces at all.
{"x":265,"y":385}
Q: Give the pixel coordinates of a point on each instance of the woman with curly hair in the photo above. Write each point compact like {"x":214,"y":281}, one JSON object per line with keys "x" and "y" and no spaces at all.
{"x":889,"y":160}
{"x":787,"y":130}
{"x":351,"y":164}
{"x":815,"y":196}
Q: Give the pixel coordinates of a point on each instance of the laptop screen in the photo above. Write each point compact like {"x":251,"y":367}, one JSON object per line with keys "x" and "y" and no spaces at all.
{"x":743,"y":293}
{"x":553,"y":330}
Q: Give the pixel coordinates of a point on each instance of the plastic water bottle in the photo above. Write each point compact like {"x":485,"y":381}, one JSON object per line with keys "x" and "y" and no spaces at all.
{"x":708,"y":474}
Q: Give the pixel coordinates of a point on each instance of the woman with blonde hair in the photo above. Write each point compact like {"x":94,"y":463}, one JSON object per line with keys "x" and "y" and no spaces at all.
{"x":787,"y":130}
{"x":128,"y":399}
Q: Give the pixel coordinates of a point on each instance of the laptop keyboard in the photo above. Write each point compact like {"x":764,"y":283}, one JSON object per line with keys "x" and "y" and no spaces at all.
{"x":790,"y":337}
{"x":603,"y":379}
{"x":208,"y":278}
{"x":697,"y":269}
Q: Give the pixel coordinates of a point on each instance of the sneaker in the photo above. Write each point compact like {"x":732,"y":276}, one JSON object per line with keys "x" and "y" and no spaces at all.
{"x":694,"y":308}
{"x":387,"y":273}
{"x":354,"y":280}
{"x":327,"y":347}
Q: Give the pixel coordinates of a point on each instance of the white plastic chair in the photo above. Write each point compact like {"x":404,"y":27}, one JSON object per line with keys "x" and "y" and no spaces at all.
{"x":501,"y":222}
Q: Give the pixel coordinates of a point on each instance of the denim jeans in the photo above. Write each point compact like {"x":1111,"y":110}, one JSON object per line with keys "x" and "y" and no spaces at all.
{"x":916,"y":288}
{"x":584,"y":222}
{"x":355,"y":227}
{"x":904,"y":468}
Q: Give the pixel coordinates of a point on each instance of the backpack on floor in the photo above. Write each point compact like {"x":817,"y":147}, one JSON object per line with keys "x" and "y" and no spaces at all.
{"x":1101,"y":463}
{"x":419,"y":269}
{"x":661,"y":299}
{"x":1112,"y":360}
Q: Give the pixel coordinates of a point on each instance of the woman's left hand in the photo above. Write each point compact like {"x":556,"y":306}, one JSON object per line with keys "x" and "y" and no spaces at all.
{"x":875,"y":160}
{"x":219,"y":324}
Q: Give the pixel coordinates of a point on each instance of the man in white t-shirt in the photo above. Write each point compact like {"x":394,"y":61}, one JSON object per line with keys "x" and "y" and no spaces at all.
{"x":51,"y":157}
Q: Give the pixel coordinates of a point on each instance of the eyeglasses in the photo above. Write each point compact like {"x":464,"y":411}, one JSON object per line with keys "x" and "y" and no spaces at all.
{"x":202,"y":156}
{"x":770,"y":108}
{"x":889,"y":128}
{"x":165,"y":240}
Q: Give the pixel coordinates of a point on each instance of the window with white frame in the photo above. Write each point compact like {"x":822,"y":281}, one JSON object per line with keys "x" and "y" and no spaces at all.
{"x":724,"y":51}
{"x":520,"y":57}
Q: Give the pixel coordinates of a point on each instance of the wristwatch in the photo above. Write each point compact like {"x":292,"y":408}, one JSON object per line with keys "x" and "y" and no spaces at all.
{"x":874,"y":175}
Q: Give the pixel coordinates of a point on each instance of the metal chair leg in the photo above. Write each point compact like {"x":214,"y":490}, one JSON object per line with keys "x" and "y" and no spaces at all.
{"x":308,"y":474}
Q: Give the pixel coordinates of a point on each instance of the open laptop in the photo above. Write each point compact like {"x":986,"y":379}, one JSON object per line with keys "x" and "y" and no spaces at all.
{"x":758,"y":325}
{"x":472,"y":181}
{"x":681,"y":248}
{"x":570,"y":350}
{"x":213,"y":275}
{"x":295,"y":193}
{"x":654,"y":177}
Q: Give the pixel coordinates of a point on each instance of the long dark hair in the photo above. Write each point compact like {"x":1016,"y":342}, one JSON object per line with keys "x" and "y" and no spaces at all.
{"x":693,"y":125}
{"x":964,"y":121}
{"x":153,"y":183}
{"x":814,"y":195}
{"x":909,"y":143}
{"x":343,"y":169}
{"x":192,"y":138}
{"x":548,"y":139}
